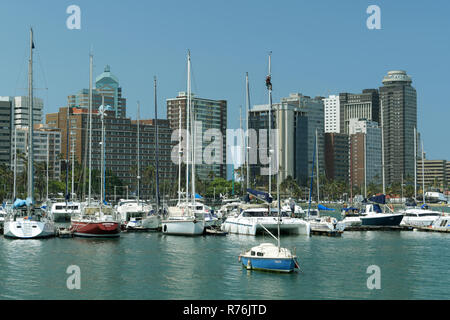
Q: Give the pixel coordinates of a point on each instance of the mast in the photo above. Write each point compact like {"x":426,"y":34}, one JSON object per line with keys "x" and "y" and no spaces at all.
{"x":317,"y":168}
{"x":423,"y":174}
{"x":278,"y":176}
{"x":15,"y":162}
{"x":180,"y":151}
{"x":247,"y":135}
{"x":156,"y":152}
{"x":188,"y":111}
{"x":243,"y":149}
{"x":102,"y":159}
{"x":382,"y":149}
{"x":48,"y":151}
{"x":269,"y":87}
{"x":415,"y":164}
{"x":365,"y":165}
{"x":90,"y":127}
{"x":30,"y":191}
{"x":138,"y":155}
{"x":67,"y":155}
{"x":73,"y":169}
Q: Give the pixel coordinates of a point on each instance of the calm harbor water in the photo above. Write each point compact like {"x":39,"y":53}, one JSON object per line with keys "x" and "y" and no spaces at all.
{"x":414,"y":265}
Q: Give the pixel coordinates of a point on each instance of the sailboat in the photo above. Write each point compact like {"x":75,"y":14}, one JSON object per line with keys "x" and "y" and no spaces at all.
{"x":318,"y":223}
{"x":96,"y":219}
{"x":25,"y":220}
{"x":184,"y":218}
{"x":268,"y":256}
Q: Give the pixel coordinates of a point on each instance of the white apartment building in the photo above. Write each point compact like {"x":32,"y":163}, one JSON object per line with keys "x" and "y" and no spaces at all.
{"x":332,"y":114}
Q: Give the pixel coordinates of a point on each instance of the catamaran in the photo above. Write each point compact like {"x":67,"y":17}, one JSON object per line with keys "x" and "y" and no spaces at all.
{"x":25,"y":220}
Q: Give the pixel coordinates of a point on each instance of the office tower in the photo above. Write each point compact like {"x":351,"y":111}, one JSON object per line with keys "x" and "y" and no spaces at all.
{"x":6,"y":128}
{"x":365,"y":105}
{"x":209,"y":114}
{"x":106,"y":85}
{"x":332,"y":112}
{"x":399,"y":110}
{"x":336,"y":156}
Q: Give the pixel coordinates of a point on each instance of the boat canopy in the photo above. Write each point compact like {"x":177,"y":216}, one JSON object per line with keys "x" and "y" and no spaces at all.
{"x":264,"y":196}
{"x":381,"y":199}
{"x":21,"y":203}
{"x":321,"y":207}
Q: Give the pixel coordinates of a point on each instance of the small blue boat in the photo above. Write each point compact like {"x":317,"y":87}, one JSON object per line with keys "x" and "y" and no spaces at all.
{"x":269,"y":257}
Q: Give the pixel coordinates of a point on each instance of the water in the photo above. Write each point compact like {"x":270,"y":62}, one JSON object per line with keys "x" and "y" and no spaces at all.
{"x":414,"y":265}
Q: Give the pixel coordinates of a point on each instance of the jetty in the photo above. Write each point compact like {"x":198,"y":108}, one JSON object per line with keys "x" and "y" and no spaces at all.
{"x":435,"y":229}
{"x":328,"y":233}
{"x":378,"y":228}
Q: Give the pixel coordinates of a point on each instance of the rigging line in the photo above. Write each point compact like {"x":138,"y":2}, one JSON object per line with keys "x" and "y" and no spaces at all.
{"x":19,"y":76}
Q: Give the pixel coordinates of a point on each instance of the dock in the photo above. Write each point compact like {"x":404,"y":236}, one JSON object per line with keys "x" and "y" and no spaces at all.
{"x":64,"y":233}
{"x":379,"y":228}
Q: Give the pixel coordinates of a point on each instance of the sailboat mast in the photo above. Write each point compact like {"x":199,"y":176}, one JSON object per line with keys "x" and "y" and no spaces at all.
{"x":365,"y":165}
{"x":156,"y":152}
{"x":73,"y":169}
{"x":90,"y":128}
{"x":48,"y":152}
{"x":188,"y":111}
{"x":138,"y":155}
{"x":317,"y":168}
{"x":247,"y":150}
{"x":67,"y":154}
{"x":269,"y":87}
{"x":243,"y":149}
{"x":15,"y":162}
{"x":382,"y":149}
{"x":30,"y":190}
{"x":415,"y":164}
{"x":179,"y":154}
{"x":102,"y":158}
{"x":423,"y":173}
{"x":277,"y":151}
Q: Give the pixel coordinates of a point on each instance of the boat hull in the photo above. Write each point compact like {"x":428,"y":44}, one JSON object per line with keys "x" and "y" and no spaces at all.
{"x":269,"y":264}
{"x":183,"y":227}
{"x":148,"y":223}
{"x":246,"y":227}
{"x":28,"y":229}
{"x":382,"y":220}
{"x":95,"y":229}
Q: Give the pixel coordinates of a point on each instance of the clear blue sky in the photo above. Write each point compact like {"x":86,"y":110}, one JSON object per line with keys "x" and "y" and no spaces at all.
{"x":319,"y":48}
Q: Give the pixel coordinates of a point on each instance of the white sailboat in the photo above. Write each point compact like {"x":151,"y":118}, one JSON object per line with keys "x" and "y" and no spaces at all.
{"x":183,"y":218}
{"x":25,"y":221}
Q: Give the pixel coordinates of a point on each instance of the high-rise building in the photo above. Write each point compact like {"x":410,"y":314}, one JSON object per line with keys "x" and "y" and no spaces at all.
{"x":399,"y":109}
{"x":365,"y":156}
{"x":436,"y":174}
{"x":332,"y":112}
{"x":6,"y":127}
{"x":297,"y":118}
{"x":209,"y":114}
{"x":46,"y":148}
{"x":120,"y":144}
{"x":336,"y":156}
{"x":20,"y":104}
{"x":357,"y":106}
{"x":106,"y":86}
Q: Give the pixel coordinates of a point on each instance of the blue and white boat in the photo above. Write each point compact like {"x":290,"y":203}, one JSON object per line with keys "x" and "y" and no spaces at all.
{"x":269,"y":257}
{"x":373,"y":215}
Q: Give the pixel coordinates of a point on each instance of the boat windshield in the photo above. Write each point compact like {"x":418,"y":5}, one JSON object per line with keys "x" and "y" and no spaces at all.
{"x":264,"y":213}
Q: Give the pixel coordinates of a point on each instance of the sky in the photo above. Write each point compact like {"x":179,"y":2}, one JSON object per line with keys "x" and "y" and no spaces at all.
{"x":318,"y":48}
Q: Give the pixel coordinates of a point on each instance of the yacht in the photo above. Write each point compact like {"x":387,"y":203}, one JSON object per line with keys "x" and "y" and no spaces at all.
{"x":351,"y":217}
{"x":182,"y":220}
{"x":137,"y":215}
{"x":96,"y":220}
{"x":419,"y":217}
{"x":441,"y":224}
{"x":373,"y":215}
{"x":25,"y":222}
{"x":250,"y":220}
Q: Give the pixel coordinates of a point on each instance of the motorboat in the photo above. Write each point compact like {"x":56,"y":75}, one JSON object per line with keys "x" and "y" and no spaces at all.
{"x":62,"y":211}
{"x":419,"y":217}
{"x":441,"y":224}
{"x":351,"y":217}
{"x":373,"y":215}
{"x":137,"y":215}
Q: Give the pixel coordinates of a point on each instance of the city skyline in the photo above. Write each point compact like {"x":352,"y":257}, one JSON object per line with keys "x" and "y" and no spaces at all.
{"x":303,"y":57}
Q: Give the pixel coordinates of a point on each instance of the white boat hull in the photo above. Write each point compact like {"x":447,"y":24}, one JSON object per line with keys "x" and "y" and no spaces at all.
{"x":151,"y":222}
{"x":253,"y":226}
{"x":28,"y":229}
{"x":188,"y":227}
